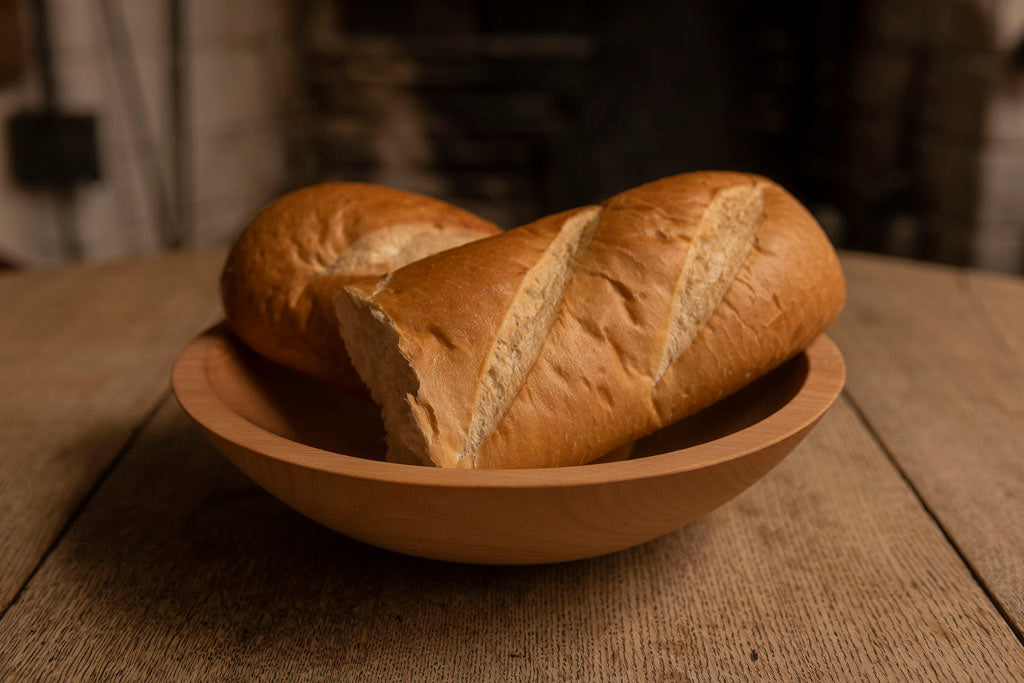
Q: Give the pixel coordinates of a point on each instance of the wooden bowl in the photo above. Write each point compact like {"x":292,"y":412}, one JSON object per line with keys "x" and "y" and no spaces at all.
{"x":320,"y":451}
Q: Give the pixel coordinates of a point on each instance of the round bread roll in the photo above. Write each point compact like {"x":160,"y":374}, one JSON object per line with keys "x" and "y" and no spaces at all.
{"x":298,"y":252}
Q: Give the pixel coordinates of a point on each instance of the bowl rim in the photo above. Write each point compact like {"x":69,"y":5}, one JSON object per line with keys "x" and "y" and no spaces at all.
{"x":826,"y":375}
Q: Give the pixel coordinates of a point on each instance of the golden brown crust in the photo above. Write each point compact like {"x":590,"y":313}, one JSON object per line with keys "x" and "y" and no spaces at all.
{"x":787,"y":292}
{"x":449,"y":325}
{"x":290,"y":261}
{"x":593,"y":385}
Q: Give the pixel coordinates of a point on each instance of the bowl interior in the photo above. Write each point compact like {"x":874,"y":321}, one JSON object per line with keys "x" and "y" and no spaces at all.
{"x":313,"y":413}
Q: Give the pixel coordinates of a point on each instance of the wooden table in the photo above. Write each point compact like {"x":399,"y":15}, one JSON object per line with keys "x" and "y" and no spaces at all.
{"x":890,"y":544}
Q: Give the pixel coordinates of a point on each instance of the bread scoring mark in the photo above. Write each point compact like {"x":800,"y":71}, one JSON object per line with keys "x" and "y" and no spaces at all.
{"x":723,"y":241}
{"x":526,"y":326}
{"x":381,"y":285}
{"x":392,"y":247}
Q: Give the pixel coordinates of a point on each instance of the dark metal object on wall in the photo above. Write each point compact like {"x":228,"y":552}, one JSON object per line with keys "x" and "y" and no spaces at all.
{"x":50,"y":149}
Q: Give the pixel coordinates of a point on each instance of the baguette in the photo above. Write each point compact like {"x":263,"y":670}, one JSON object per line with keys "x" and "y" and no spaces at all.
{"x":558,"y":341}
{"x":300,"y":250}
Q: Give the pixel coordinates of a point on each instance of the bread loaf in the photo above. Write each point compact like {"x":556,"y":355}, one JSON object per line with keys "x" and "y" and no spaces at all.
{"x":284,"y":270}
{"x":558,"y":341}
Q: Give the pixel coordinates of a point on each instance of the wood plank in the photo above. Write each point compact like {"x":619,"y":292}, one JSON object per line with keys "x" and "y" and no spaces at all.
{"x":940,"y":387}
{"x":85,"y":355}
{"x":1001,"y":300}
{"x":181,"y":568}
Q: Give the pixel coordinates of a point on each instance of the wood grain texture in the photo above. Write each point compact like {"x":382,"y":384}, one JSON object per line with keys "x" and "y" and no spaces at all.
{"x":931,"y":366}
{"x":181,"y":568}
{"x":272,"y":425}
{"x":85,"y":355}
{"x":1000,"y":298}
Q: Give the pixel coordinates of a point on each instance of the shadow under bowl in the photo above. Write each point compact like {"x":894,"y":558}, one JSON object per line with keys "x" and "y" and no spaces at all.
{"x":320,"y":450}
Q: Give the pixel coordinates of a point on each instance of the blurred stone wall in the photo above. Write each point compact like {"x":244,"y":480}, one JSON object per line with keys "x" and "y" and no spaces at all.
{"x":900,"y":122}
{"x":931,"y":161}
{"x":474,"y":117}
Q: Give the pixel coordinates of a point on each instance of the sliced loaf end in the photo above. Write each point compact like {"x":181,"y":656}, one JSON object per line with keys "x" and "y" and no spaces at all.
{"x":373,"y":345}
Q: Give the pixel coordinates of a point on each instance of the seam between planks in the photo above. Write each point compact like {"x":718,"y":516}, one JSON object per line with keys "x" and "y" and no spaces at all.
{"x":103,"y":475}
{"x":931,"y":513}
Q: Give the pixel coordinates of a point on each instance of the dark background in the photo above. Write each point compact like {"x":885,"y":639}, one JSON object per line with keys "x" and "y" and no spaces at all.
{"x":900,"y":123}
{"x":873,"y":113}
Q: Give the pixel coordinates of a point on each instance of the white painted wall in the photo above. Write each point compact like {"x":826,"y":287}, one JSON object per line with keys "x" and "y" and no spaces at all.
{"x":240,"y":66}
